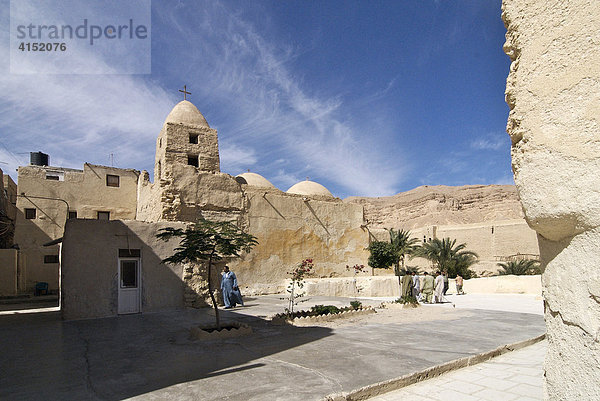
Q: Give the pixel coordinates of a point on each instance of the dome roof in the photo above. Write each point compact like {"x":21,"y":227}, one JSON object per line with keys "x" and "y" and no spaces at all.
{"x":185,"y":112}
{"x":309,"y":188}
{"x":254,"y":180}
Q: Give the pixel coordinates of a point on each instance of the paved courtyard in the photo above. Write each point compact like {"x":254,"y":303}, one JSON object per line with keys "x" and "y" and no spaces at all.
{"x":516,"y":376}
{"x":151,"y":356}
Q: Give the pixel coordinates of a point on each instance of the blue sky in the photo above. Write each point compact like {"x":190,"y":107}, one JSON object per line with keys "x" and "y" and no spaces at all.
{"x":366,"y":98}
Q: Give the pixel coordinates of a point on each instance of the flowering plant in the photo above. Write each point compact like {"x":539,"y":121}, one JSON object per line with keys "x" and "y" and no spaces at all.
{"x":298,"y":274}
{"x":357,"y":269}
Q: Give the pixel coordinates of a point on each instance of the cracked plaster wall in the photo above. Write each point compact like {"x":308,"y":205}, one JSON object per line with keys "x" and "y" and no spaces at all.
{"x":553,"y":91}
{"x":291,"y":228}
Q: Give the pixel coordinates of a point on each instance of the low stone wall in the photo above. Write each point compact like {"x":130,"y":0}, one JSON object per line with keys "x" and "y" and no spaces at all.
{"x":387,"y":286}
{"x":371,"y":286}
{"x":501,"y":285}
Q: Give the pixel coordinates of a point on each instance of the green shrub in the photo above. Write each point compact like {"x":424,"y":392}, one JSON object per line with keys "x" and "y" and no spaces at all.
{"x":407,"y":300}
{"x":324,"y":310}
{"x":356,"y":305}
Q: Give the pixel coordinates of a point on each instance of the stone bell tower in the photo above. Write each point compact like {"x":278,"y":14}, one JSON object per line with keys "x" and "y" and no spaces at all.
{"x":185,"y":140}
{"x":188,"y":184}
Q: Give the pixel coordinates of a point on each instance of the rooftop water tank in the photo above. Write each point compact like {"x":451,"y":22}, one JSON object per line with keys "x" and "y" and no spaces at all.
{"x":38,"y":159}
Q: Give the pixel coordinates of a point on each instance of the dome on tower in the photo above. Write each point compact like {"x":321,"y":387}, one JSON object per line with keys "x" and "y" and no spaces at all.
{"x":185,"y":112}
{"x":309,"y":188}
{"x":254,"y":180}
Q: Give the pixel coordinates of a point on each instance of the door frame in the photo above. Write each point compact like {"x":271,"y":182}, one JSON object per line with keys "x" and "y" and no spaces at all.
{"x":138,"y":280}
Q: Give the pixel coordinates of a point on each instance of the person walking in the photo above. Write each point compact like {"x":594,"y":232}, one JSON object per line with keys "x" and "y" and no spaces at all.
{"x":439,"y":287}
{"x":446,"y":283}
{"x":459,"y":285}
{"x":407,"y":286}
{"x":229,"y":289}
{"x":427,"y":288}
{"x":416,"y":286}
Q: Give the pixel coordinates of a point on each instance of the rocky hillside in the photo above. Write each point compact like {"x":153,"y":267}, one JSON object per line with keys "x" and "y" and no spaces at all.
{"x":440,"y":205}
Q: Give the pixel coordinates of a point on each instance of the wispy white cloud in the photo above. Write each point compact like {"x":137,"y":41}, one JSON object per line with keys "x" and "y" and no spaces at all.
{"x":490,"y":142}
{"x":237,"y":158}
{"x":268,"y":118}
{"x":278,"y":116}
{"x":81,"y":118}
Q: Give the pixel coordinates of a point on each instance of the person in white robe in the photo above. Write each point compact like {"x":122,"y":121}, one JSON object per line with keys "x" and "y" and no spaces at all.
{"x":416,"y":286}
{"x":439,"y":287}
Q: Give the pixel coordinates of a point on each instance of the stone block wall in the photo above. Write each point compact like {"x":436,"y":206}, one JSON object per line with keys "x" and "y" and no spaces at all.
{"x":553,"y":92}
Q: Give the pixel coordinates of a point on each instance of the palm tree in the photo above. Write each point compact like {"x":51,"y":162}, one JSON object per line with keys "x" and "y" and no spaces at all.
{"x":520,"y":267}
{"x":402,"y":245}
{"x":446,"y":255}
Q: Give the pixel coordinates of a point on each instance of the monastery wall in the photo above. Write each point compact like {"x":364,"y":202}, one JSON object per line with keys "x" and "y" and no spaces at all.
{"x":552,"y":91}
{"x":149,"y":206}
{"x":86,"y":193}
{"x":291,"y":228}
{"x":191,"y":194}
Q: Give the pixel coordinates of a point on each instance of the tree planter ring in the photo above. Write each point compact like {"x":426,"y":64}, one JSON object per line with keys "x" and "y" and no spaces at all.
{"x":228,"y":331}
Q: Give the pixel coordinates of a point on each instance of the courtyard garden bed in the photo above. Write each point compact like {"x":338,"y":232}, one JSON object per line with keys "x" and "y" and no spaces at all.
{"x":320,"y":313}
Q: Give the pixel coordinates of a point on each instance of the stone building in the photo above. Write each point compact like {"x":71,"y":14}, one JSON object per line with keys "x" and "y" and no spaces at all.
{"x":49,"y":196}
{"x":306,"y":221}
{"x":111,"y":267}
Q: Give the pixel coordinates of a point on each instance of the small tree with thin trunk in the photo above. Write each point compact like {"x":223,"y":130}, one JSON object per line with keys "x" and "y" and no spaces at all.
{"x":382,"y":255}
{"x":209,"y":242}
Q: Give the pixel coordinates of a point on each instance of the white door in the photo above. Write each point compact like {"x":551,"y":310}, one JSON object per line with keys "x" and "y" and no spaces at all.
{"x":129,"y":286}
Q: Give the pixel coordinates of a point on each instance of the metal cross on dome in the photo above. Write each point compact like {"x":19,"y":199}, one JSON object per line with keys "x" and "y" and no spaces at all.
{"x":185,"y":92}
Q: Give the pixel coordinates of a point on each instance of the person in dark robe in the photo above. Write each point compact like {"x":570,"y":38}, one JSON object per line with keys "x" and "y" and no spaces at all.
{"x":229,"y":289}
{"x":407,"y":285}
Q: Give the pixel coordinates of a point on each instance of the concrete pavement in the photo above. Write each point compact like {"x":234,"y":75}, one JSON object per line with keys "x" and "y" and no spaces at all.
{"x":150,"y":356}
{"x":515,"y":376}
